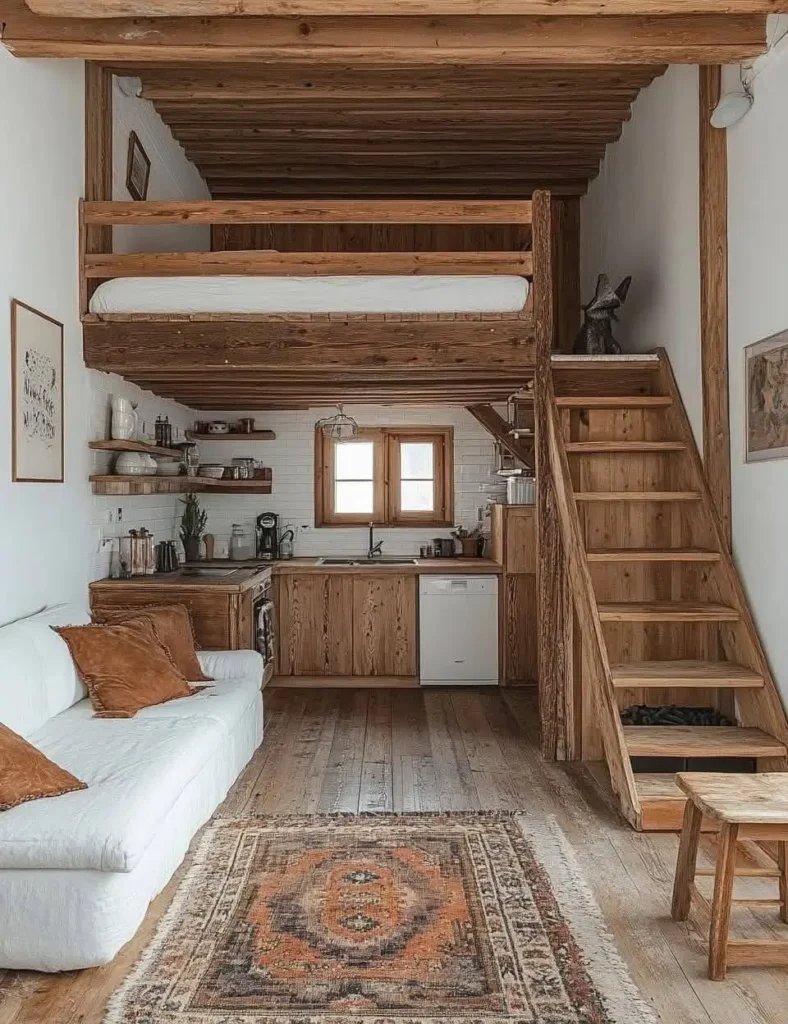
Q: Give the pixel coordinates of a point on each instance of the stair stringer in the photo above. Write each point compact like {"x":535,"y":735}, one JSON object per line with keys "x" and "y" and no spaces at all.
{"x":591,"y":635}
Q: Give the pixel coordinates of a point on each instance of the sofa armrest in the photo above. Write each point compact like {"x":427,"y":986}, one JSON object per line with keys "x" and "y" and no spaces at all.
{"x":231,"y":664}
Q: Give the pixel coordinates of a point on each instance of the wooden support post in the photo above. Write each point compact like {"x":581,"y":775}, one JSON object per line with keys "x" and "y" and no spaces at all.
{"x":555,"y":655}
{"x":96,"y":238}
{"x":714,"y":297}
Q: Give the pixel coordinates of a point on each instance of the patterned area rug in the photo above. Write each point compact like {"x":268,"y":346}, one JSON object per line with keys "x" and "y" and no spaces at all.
{"x":383,"y":919}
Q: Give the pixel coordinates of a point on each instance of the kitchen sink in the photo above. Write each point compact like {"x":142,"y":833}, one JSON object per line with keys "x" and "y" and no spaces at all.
{"x":367,"y":561}
{"x":188,"y":571}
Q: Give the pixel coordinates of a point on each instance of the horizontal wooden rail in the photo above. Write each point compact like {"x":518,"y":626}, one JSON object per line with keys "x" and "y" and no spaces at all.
{"x":307,"y":264}
{"x":344,"y":211}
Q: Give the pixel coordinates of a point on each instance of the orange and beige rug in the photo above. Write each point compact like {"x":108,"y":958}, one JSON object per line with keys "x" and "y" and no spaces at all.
{"x":383,"y":919}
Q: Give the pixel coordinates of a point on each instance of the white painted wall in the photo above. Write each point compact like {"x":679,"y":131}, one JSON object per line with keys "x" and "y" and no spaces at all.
{"x":758,"y":307}
{"x":49,"y":533}
{"x":291,"y":457}
{"x":172,"y":174}
{"x":640,"y":217}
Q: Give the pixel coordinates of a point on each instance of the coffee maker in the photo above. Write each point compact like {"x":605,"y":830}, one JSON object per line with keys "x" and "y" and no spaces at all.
{"x":267,"y":534}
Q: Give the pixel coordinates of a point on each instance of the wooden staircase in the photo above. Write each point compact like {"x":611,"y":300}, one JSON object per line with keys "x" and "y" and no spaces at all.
{"x":660,"y":612}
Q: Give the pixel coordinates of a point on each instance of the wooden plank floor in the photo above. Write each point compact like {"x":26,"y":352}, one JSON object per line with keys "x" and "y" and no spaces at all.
{"x":381,"y":750}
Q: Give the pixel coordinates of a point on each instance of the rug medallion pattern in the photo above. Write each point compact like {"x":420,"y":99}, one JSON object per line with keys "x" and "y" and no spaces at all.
{"x":371,"y":920}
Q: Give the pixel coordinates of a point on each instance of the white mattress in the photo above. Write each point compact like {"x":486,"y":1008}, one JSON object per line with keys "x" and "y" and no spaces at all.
{"x":362,"y":294}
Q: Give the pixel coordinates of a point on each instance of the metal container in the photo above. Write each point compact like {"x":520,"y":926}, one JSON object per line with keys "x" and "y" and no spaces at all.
{"x":520,"y":490}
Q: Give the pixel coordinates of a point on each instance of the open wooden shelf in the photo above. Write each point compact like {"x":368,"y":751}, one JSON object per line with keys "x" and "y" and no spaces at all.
{"x":254,"y":435}
{"x":130,"y":486}
{"x":135,"y":446}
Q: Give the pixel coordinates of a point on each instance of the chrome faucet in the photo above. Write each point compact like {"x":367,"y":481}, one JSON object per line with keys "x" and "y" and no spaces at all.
{"x":375,"y":550}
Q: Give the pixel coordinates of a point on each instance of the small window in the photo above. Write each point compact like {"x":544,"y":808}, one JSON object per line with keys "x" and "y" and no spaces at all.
{"x":400,"y":476}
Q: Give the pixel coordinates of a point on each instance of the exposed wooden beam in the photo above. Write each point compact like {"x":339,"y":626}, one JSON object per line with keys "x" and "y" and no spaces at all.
{"x":431,"y":185}
{"x":496,"y":425}
{"x":714,"y":297}
{"x":310,"y":8}
{"x":124,"y":347}
{"x":403,"y":41}
{"x":98,"y":161}
{"x":262,"y":262}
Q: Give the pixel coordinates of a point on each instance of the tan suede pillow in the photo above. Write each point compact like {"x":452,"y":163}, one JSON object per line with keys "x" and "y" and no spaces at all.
{"x":173,"y":626}
{"x":125,"y":667}
{"x":27,"y":774}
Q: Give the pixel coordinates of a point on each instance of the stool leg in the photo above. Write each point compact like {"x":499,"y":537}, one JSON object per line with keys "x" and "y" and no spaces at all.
{"x":721,"y":904}
{"x":685,"y":865}
{"x":782,"y":864}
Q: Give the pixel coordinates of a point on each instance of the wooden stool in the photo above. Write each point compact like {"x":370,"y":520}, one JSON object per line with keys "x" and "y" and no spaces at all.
{"x":746,"y":807}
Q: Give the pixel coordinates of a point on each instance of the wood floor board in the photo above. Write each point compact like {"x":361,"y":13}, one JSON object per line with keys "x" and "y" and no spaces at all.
{"x":345,"y":750}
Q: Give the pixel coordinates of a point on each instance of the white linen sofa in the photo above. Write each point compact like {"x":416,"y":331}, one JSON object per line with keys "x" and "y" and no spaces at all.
{"x":78,"y":871}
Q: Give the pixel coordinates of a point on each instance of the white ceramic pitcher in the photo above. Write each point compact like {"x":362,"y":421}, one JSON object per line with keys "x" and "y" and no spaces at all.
{"x":125,"y":421}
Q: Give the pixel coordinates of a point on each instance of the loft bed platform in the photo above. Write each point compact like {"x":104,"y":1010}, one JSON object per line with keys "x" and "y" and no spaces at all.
{"x":467,"y":345}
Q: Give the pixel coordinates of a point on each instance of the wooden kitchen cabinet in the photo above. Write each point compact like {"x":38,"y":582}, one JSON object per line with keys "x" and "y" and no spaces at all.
{"x":315,"y":617}
{"x":384,"y":625}
{"x":513,"y":545}
{"x":513,"y":537}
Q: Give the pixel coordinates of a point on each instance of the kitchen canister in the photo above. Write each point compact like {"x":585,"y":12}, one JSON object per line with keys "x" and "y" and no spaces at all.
{"x":521,"y":490}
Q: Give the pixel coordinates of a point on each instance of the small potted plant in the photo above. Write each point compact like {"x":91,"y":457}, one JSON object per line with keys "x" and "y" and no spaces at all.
{"x":193,"y":523}
{"x":469,"y":540}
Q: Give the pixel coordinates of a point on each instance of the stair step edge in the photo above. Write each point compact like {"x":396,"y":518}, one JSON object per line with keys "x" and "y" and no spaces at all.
{"x":653,"y":555}
{"x":613,"y":401}
{"x":623,"y":447}
{"x":666,"y":611}
{"x":684,"y":674}
{"x":637,"y":496}
{"x":700,"y":741}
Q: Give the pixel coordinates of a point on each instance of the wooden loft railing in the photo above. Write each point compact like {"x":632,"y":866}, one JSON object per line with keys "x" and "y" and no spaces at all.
{"x":97,"y":264}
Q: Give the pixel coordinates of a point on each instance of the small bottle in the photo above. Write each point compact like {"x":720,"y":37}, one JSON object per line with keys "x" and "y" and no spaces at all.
{"x":166,"y":433}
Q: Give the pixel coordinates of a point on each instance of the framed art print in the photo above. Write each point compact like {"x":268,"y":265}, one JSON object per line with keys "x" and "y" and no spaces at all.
{"x":36,"y":396}
{"x":137,"y":169}
{"x":766,"y":375}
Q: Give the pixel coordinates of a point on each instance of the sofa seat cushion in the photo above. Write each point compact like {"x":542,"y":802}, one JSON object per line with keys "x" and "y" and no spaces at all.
{"x":135,"y":770}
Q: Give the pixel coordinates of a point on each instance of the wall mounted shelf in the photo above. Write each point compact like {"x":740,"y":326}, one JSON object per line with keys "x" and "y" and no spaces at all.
{"x":130,"y":486}
{"x":135,"y":446}
{"x":254,"y":435}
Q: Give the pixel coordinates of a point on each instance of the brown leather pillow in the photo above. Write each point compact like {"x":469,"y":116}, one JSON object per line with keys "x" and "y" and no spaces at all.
{"x":173,"y":626}
{"x":125,"y":667}
{"x":27,"y":774}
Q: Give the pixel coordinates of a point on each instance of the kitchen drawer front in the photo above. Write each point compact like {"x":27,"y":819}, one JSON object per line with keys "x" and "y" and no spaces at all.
{"x":210,"y":612}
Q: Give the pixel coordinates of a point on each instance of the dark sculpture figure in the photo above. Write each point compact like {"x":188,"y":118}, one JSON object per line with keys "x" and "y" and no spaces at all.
{"x":596,"y":334}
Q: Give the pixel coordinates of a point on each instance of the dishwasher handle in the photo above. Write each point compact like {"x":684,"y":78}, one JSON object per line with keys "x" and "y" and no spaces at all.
{"x":457,"y":585}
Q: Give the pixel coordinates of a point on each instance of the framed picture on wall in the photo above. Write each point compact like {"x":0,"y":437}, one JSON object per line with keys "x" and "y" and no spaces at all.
{"x":137,"y":169}
{"x":36,"y":396}
{"x":766,"y":375}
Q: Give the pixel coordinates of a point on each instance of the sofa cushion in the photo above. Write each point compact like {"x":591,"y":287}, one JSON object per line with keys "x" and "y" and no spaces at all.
{"x":173,"y":626}
{"x":38,"y":678}
{"x":125,"y":666}
{"x":27,"y":774}
{"x":135,"y":770}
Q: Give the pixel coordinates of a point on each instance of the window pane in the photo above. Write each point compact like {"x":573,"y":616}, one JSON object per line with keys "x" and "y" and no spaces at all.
{"x":416,"y":460}
{"x":354,"y":497}
{"x":417,"y":496}
{"x":354,"y":460}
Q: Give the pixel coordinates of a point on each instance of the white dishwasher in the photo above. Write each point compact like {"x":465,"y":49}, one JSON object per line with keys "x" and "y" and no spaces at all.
{"x":458,"y":630}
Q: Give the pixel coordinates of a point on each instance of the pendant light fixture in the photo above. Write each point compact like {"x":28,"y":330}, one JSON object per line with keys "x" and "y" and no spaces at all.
{"x":339,"y":427}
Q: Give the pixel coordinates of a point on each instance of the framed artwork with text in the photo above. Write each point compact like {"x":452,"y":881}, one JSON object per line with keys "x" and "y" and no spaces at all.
{"x":36,"y":396}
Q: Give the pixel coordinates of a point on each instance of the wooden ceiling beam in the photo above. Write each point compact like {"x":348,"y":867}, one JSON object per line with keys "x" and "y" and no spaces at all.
{"x":377,"y":8}
{"x":432,"y":187}
{"x":390,"y":41}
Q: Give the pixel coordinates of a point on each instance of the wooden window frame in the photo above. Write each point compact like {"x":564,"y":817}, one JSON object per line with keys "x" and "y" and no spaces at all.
{"x":387,"y":512}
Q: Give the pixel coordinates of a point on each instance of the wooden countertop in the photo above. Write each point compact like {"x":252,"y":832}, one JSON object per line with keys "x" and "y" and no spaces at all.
{"x":242,"y":579}
{"x":419,"y":567}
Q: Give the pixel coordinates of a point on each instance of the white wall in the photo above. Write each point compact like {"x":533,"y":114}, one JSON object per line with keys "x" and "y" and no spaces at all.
{"x":640,"y":217}
{"x":758,"y":307}
{"x":172,"y":174}
{"x":291,"y":457}
{"x":49,"y":533}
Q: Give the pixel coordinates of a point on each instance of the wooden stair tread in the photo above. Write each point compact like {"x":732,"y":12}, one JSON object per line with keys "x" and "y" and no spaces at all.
{"x":622,"y":447}
{"x":666,"y":611}
{"x":613,"y":401}
{"x":668,"y":674}
{"x":653,"y":555}
{"x":637,"y":496}
{"x":700,"y":741}
{"x":662,"y":803}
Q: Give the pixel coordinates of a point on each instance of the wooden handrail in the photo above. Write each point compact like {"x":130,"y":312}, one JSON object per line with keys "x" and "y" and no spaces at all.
{"x":266,"y":262}
{"x":338,"y":211}
{"x":594,"y":649}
